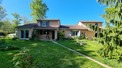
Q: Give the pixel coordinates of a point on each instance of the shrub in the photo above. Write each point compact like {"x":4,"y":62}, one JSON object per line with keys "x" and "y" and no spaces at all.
{"x":2,"y":41}
{"x":7,"y":48}
{"x":76,"y":39}
{"x":60,"y":35}
{"x":82,"y":36}
{"x":34,"y":37}
{"x":15,"y":38}
{"x":22,"y":59}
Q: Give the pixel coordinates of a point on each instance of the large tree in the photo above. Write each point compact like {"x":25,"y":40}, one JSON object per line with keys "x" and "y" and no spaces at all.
{"x":7,"y":26}
{"x":39,"y":9}
{"x":2,"y":15}
{"x":112,"y":38}
{"x":2,"y":12}
{"x":17,"y":19}
{"x":25,"y":20}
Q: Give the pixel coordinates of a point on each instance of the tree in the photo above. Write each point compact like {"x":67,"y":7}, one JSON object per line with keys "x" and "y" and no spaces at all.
{"x":39,"y":9}
{"x":7,"y":26}
{"x":2,"y":13}
{"x":17,"y":19}
{"x":112,"y":35}
{"x":25,"y":20}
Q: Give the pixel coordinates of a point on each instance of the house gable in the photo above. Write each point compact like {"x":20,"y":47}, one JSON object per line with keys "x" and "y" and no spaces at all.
{"x":49,"y":23}
{"x":92,"y":23}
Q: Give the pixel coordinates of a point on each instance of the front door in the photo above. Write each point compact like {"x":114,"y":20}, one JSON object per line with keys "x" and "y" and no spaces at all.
{"x":53,"y":34}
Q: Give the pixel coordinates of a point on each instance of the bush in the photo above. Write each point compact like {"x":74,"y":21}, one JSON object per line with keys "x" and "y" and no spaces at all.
{"x":82,"y":36}
{"x":7,"y":48}
{"x":60,"y":35}
{"x":76,"y":39}
{"x":15,"y":38}
{"x":34,"y":37}
{"x":2,"y":41}
{"x":22,"y":59}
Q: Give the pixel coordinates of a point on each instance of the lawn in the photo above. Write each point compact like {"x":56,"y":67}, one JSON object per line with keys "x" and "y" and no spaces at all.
{"x":91,"y":49}
{"x":45,"y":54}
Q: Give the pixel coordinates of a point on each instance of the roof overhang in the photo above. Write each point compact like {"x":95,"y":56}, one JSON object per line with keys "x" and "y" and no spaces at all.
{"x":49,"y":28}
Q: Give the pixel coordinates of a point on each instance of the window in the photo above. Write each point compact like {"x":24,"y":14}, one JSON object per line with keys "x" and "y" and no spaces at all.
{"x":96,"y":24}
{"x":44,"y":24}
{"x":24,"y":33}
{"x":74,"y":33}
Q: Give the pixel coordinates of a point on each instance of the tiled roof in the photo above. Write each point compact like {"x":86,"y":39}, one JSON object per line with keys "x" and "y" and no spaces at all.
{"x":90,"y":21}
{"x":47,"y":19}
{"x":35,"y":26}
{"x":64,"y":26}
{"x":73,"y":27}
{"x":28,"y":25}
{"x":39,"y":27}
{"x":77,"y":27}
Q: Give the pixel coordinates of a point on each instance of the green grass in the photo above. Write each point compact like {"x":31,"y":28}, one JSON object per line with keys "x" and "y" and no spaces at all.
{"x":91,"y":49}
{"x":46,"y":55}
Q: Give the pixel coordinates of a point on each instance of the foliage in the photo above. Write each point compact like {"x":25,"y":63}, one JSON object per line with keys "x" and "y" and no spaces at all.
{"x":76,"y":38}
{"x":60,"y":35}
{"x":6,"y":47}
{"x":39,"y":9}
{"x":2,"y":41}
{"x":96,"y":29}
{"x":112,"y":35}
{"x":25,"y":20}
{"x":82,"y":36}
{"x":22,"y":59}
{"x":7,"y":26}
{"x":46,"y":54}
{"x":17,"y":19}
{"x":2,"y":13}
{"x":34,"y":35}
{"x":90,"y":49}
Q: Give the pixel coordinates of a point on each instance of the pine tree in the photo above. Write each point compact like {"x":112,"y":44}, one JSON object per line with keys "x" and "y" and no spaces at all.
{"x":112,"y":34}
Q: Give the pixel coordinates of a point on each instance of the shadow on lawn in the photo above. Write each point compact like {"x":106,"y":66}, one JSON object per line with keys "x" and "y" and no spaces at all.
{"x":48,"y":55}
{"x":79,"y":48}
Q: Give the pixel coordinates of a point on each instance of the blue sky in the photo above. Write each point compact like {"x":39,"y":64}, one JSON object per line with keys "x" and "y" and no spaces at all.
{"x":68,"y":11}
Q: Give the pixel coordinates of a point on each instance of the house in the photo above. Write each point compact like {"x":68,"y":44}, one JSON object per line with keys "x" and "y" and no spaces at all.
{"x":49,"y":28}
